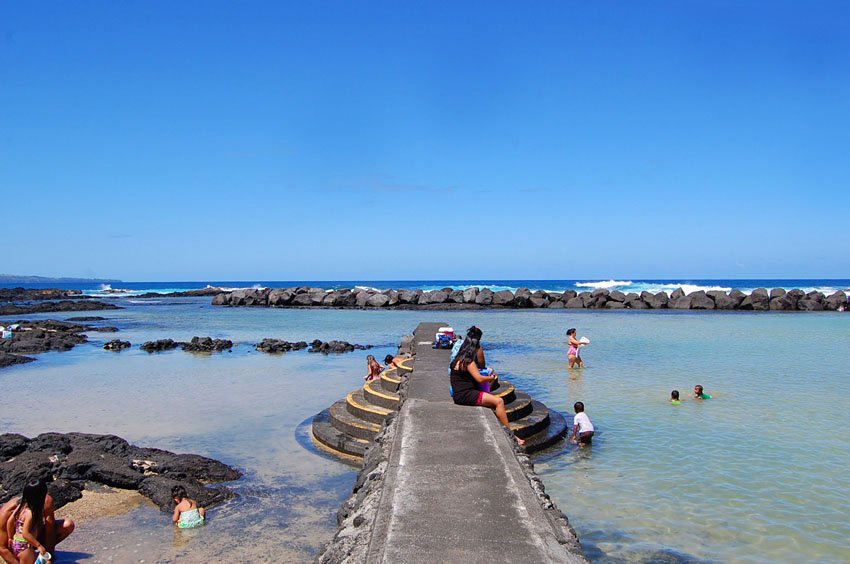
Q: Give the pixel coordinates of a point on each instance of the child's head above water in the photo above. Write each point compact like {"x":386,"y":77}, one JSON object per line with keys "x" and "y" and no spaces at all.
{"x":674,"y":395}
{"x":578,"y":406}
{"x":388,"y":359}
{"x":178,"y":493}
{"x":697,"y":389}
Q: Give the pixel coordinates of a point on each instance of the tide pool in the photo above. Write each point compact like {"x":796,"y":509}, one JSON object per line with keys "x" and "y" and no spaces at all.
{"x":757,"y":474}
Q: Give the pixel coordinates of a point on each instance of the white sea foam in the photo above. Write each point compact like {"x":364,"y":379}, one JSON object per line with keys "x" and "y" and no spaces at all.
{"x":668,"y":288}
{"x":607,"y":284}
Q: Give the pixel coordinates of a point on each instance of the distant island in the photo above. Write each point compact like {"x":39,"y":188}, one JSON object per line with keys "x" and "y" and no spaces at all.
{"x":15,"y":279}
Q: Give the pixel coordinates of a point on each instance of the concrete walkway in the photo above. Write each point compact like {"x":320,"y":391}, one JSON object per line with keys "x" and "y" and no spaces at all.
{"x":454,"y":490}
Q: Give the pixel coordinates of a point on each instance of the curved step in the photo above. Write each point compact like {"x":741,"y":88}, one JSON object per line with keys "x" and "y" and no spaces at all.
{"x":359,"y":406}
{"x":334,"y":440}
{"x":520,"y":407}
{"x":554,"y":433}
{"x":506,"y":391}
{"x":390,"y":380}
{"x":375,"y":393}
{"x":353,"y":426}
{"x":533,"y":423}
{"x":405,"y":366}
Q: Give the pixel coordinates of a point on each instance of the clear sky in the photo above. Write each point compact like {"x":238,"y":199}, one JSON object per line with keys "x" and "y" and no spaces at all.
{"x":162,"y":140}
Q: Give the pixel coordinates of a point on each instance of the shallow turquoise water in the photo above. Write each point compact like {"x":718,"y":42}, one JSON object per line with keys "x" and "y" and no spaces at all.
{"x":756,"y":474}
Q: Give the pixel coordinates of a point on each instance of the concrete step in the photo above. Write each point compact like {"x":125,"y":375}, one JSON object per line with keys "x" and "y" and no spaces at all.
{"x":375,"y":393}
{"x":533,"y":423}
{"x":338,"y":443}
{"x":353,"y":426}
{"x":405,"y":366}
{"x":390,"y":380}
{"x":505,"y":391}
{"x":359,"y":406}
{"x":520,"y":407}
{"x":554,"y":433}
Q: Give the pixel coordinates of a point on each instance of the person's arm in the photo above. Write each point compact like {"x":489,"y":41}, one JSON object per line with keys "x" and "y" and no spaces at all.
{"x":476,"y":375}
{"x":479,"y":357}
{"x":575,"y":430}
{"x":26,"y":532}
{"x":176,"y":515}
{"x":574,"y":342}
{"x":49,"y":515}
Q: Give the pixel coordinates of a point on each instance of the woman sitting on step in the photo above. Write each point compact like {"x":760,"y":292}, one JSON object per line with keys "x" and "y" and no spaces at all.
{"x":465,"y":378}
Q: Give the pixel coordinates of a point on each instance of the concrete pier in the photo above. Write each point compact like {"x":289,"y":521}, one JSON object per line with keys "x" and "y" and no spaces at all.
{"x":453,"y":486}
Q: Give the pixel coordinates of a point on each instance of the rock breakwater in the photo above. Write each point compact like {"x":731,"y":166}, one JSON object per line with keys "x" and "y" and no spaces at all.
{"x":761,"y":299}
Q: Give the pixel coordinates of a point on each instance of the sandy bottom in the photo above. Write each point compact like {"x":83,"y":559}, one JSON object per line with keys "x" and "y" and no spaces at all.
{"x":103,"y":503}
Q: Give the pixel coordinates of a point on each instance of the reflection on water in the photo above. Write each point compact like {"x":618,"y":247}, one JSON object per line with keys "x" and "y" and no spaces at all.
{"x":735,"y":478}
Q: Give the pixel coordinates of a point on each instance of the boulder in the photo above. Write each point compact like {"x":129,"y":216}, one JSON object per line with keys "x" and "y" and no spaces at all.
{"x":392,"y":298}
{"x":317,"y":297}
{"x":470,"y":295}
{"x":336,"y":347}
{"x":538,"y":301}
{"x":12,"y":444}
{"x":456,"y":296}
{"x":220,"y":299}
{"x":758,"y":300}
{"x":158,"y":490}
{"x":503,"y":298}
{"x":485,"y":297}
{"x":676,"y":294}
{"x":207,"y":344}
{"x":781,"y":303}
{"x":280,"y":297}
{"x":575,"y":303}
{"x":12,"y":359}
{"x":116,"y":345}
{"x":378,"y":300}
{"x":835,"y":301}
{"x":279,"y":346}
{"x":614,"y":305}
{"x":557,"y":304}
{"x":699,"y":300}
{"x":434,"y":297}
{"x":777,"y":293}
{"x":159,"y":345}
{"x":362,"y":296}
{"x":617,"y":296}
{"x":568,"y":295}
{"x":810,"y":304}
{"x":682,"y":302}
{"x":407,"y":297}
{"x":302,"y":300}
{"x":522,"y":297}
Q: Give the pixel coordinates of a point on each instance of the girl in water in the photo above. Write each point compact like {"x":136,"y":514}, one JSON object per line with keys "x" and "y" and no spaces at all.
{"x":573,"y":356}
{"x":373,"y":368}
{"x":187,"y":514}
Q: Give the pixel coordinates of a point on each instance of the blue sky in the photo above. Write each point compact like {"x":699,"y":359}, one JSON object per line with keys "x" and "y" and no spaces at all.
{"x":157,"y":140}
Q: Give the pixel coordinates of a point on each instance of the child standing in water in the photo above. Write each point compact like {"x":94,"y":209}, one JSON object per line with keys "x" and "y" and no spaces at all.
{"x":187,"y":514}
{"x":674,"y":397}
{"x":582,"y":427}
{"x":699,"y":394}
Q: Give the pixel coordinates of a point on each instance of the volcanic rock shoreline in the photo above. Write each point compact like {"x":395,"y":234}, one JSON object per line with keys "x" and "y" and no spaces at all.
{"x":71,"y":462}
{"x":761,"y":299}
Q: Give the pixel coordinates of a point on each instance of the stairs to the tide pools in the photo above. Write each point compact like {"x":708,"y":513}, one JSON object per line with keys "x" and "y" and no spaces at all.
{"x":348,"y":426}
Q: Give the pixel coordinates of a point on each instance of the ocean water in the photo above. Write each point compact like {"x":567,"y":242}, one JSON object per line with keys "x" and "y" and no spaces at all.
{"x":757,"y":474}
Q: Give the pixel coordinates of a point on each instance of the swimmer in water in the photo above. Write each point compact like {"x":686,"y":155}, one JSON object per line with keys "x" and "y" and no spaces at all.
{"x":674,"y":397}
{"x":699,"y":394}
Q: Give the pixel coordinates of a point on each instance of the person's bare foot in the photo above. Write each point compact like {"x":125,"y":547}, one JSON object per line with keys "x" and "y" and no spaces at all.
{"x":520,"y":441}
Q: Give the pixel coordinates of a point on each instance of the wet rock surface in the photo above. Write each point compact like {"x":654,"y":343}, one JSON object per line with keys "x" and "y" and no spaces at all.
{"x":116,"y":345}
{"x":12,"y":359}
{"x":34,"y":337}
{"x":279,"y":346}
{"x":159,"y":345}
{"x":50,"y":307}
{"x":207,"y":344}
{"x":71,"y":462}
{"x":336,"y":347}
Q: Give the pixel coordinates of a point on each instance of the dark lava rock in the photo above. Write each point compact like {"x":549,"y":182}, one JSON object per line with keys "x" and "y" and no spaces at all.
{"x":46,"y":307}
{"x":207,"y":344}
{"x":42,"y":336}
{"x":12,"y":359}
{"x":187,"y":294}
{"x":318,"y":346}
{"x":117,"y":345}
{"x":279,"y":346}
{"x":160,"y":345}
{"x":21,"y":294}
{"x":76,"y":460}
{"x":86,"y":318}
